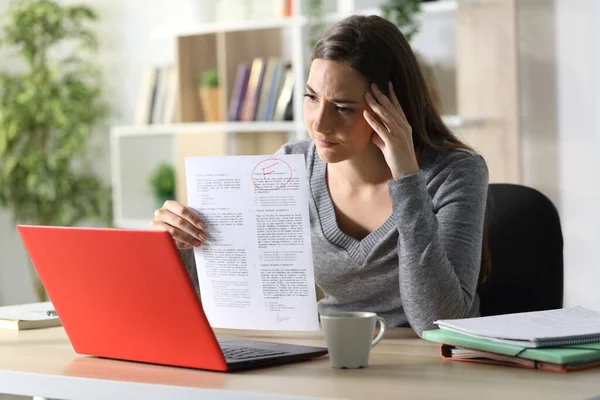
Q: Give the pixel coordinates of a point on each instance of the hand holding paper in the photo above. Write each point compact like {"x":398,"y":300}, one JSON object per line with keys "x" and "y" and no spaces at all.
{"x":184,"y":225}
{"x":255,"y":268}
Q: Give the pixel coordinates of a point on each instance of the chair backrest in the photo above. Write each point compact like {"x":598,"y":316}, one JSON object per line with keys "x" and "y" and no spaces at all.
{"x":526,"y":245}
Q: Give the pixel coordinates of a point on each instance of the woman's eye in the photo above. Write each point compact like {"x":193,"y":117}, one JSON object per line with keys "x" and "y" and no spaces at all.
{"x":311,"y":97}
{"x":345,"y":110}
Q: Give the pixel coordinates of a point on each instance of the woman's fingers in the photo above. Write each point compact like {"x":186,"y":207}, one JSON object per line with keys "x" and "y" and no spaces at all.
{"x":184,"y":225}
{"x":382,"y":131}
{"x":176,"y":221}
{"x":396,"y":103}
{"x":183,"y":240}
{"x":184,"y":212}
{"x":382,"y":99}
{"x":383,"y":114}
{"x":384,"y":108}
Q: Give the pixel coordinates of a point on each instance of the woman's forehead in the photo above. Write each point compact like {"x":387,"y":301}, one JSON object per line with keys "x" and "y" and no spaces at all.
{"x":335,"y":78}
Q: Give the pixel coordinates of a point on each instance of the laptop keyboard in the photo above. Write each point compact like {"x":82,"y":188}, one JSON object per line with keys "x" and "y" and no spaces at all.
{"x":244,"y":353}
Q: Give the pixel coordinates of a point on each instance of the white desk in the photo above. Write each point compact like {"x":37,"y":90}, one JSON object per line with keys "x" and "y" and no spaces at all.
{"x":42,"y":363}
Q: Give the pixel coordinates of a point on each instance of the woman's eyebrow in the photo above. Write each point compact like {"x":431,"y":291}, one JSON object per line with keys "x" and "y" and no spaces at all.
{"x":336,"y":100}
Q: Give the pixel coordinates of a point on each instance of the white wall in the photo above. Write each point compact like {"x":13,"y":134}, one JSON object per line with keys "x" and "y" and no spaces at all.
{"x":578,"y":105}
{"x":559,"y":73}
{"x":124,"y":31}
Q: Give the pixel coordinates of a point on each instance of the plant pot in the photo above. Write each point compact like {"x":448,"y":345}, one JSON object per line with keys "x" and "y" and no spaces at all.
{"x":210,"y":99}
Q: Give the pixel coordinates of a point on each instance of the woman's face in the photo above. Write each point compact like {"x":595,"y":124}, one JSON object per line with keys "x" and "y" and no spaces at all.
{"x":333,"y":111}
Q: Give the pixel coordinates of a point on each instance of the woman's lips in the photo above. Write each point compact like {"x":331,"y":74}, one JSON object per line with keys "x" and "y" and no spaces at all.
{"x":324,"y":143}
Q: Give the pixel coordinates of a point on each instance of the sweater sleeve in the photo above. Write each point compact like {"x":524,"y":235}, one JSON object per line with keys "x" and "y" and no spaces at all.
{"x":187,"y":256}
{"x":439,"y":245}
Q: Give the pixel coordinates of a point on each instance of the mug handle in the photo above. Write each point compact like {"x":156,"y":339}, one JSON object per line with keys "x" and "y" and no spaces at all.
{"x":382,"y":327}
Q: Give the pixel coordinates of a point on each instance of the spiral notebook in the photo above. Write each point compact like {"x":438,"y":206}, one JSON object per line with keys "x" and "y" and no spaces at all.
{"x":552,"y":328}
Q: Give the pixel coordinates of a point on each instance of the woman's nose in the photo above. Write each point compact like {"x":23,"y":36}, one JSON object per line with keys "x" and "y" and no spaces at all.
{"x":321,"y":121}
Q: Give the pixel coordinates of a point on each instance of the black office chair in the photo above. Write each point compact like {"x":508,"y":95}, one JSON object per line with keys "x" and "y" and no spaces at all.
{"x":526,"y":245}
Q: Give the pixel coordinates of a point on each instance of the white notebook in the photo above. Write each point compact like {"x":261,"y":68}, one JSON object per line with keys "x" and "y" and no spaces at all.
{"x":28,"y":316}
{"x":561,"y":327}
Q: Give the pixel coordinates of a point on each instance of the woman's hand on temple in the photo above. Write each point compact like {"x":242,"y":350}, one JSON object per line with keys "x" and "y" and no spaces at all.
{"x":184,"y":225}
{"x":393,"y":133}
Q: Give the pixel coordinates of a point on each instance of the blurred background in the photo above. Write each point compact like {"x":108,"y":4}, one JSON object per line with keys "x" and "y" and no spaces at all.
{"x":100,"y":100}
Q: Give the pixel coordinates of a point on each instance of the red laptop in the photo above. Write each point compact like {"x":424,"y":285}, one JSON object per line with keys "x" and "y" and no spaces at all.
{"x":125,"y":294}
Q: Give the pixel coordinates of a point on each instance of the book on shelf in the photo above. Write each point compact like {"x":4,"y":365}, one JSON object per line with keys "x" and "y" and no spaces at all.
{"x":253,"y":89}
{"x":145,"y":93}
{"x":279,"y":74}
{"x":284,"y":99}
{"x":286,"y":8}
{"x":157,"y":96}
{"x":170,"y":100}
{"x":262,"y":91}
{"x":238,"y":93}
{"x":270,"y":83}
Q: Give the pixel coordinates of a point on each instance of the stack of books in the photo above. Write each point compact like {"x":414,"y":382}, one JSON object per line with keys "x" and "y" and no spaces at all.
{"x":262,"y":91}
{"x":560,"y":340}
{"x":157,"y":97}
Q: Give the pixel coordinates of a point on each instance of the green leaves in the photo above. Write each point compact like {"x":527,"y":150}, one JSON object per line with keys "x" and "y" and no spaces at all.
{"x":401,"y":13}
{"x":47,"y":113}
{"x":37,"y":25}
{"x":314,"y":12}
{"x":162,"y":181}
{"x":209,"y":78}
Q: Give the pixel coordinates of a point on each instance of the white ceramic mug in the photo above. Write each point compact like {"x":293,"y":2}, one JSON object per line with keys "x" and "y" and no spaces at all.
{"x":349,"y":337}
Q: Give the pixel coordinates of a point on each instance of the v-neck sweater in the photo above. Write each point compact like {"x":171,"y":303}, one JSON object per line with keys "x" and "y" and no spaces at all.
{"x":422,"y":264}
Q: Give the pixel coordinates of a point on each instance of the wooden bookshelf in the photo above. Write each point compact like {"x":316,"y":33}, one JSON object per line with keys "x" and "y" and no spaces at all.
{"x":224,"y":50}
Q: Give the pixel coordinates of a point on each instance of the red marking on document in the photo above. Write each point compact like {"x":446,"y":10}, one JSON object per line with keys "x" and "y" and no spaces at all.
{"x":271,"y":174}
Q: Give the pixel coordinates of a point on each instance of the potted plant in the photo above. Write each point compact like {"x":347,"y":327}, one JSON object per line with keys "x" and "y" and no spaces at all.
{"x":210,"y":95}
{"x":162,"y":183}
{"x":47,"y":113}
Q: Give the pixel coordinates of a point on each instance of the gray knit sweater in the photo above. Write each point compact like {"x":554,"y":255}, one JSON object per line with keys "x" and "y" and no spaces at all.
{"x":423,"y":263}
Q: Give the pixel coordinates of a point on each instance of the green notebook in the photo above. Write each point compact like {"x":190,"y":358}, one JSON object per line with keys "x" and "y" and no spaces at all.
{"x":557,"y":355}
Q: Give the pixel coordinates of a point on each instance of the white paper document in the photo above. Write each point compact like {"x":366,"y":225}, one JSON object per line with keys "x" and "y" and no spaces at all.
{"x":255,"y":269}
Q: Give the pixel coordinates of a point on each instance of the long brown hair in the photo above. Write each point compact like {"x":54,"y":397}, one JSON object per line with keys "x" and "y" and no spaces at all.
{"x":375,"y":48}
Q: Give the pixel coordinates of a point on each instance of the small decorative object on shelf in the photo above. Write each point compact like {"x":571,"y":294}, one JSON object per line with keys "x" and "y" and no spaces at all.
{"x":162,"y":183}
{"x":210,"y":95}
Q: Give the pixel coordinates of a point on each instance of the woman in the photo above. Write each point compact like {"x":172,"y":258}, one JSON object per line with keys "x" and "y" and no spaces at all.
{"x":397,"y":202}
